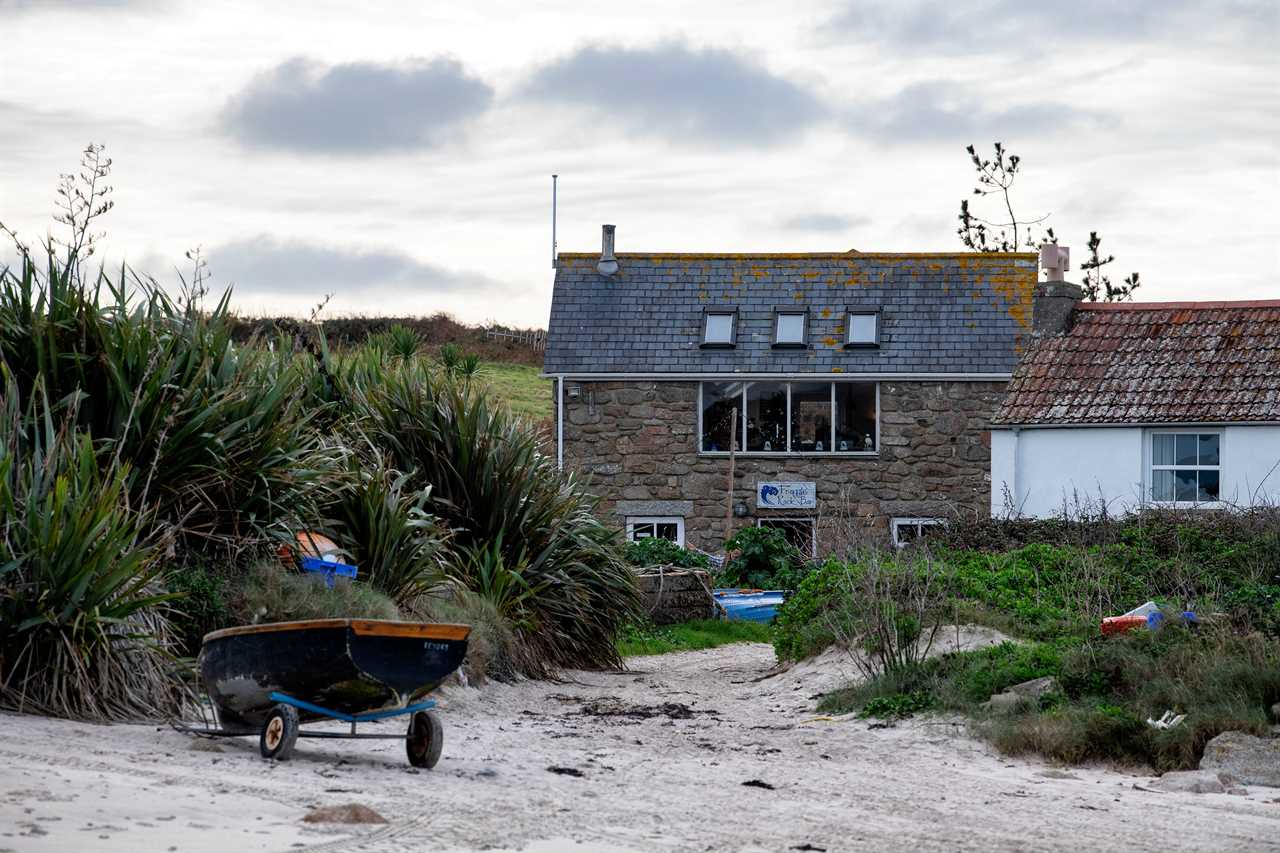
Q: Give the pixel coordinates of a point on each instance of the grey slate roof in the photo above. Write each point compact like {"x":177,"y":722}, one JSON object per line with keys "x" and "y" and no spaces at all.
{"x":941,"y":313}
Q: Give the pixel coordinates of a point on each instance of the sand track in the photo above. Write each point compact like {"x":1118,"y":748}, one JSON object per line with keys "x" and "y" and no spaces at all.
{"x":650,"y":759}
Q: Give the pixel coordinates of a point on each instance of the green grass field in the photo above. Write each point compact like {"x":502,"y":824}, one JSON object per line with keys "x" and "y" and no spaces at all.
{"x":688,"y":636}
{"x":520,"y":387}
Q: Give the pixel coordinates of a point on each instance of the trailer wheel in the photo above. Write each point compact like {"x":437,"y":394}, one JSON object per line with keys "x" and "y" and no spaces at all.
{"x":425,"y":739}
{"x":279,"y":733}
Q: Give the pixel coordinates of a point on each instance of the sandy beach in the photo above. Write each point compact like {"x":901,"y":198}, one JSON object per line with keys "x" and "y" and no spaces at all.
{"x":707,"y":751}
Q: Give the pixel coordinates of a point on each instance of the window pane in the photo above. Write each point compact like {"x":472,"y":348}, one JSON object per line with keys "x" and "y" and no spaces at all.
{"x":1186,"y":449}
{"x":1209,"y":449}
{"x":810,"y":416}
{"x":1184,"y":484}
{"x":862,"y":328}
{"x":790,"y":329}
{"x":855,"y":416}
{"x":719,"y":329}
{"x":644,"y":530}
{"x":1162,"y":485}
{"x":1162,"y":451}
{"x":799,"y":532}
{"x":767,"y":416}
{"x":1208,"y":486}
{"x":719,"y":399}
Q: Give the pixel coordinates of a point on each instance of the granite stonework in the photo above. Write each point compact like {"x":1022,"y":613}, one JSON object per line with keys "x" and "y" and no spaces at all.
{"x":637,"y":444}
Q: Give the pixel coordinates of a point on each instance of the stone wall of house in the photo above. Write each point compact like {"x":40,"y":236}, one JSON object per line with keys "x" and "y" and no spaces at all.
{"x":637,"y":444}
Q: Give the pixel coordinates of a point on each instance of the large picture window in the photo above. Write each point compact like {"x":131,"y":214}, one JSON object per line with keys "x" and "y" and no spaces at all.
{"x":790,"y":417}
{"x":1185,"y":467}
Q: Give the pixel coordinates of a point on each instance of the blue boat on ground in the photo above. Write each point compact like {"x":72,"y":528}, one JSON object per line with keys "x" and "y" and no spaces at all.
{"x":749,"y":605}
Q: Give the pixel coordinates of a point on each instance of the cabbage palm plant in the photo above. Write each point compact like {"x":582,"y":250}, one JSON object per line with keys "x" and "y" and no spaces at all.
{"x":82,"y":628}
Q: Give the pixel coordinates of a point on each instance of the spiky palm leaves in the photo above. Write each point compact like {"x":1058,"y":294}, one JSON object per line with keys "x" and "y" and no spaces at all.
{"x":81,"y":632}
{"x":523,"y":531}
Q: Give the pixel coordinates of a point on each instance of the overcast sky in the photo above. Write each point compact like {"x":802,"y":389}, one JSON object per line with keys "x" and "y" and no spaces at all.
{"x":398,"y":155}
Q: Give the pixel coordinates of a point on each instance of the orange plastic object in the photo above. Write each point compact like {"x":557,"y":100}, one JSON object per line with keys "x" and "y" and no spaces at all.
{"x":309,"y":544}
{"x":1113,"y":625}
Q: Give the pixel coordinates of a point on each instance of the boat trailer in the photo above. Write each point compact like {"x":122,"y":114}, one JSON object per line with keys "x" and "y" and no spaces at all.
{"x":423,"y":739}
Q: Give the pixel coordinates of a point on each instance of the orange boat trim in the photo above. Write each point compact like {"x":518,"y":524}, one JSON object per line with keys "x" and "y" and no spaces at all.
{"x":363,"y":627}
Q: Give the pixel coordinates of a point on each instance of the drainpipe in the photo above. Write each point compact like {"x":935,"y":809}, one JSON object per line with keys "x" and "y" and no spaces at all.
{"x":560,"y":422}
{"x":1017,"y":466}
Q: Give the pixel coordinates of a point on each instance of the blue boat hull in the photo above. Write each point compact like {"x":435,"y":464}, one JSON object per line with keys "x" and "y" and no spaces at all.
{"x":752,"y":606}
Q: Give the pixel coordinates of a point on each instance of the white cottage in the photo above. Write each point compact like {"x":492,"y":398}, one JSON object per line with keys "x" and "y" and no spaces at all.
{"x":1172,"y":404}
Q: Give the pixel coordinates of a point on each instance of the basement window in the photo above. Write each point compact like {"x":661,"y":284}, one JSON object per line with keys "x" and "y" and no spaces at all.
{"x":862,"y":329}
{"x":669,"y":528}
{"x":718,"y":329}
{"x":1185,"y":467}
{"x":799,"y":532}
{"x":790,"y":328}
{"x":906,"y":531}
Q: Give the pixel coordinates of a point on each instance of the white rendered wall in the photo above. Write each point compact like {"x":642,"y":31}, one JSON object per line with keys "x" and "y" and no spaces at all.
{"x":1251,"y":465}
{"x":1046,"y":469}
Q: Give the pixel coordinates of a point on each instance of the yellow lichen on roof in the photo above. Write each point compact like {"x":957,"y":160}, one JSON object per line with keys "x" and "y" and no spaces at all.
{"x":887,"y":257}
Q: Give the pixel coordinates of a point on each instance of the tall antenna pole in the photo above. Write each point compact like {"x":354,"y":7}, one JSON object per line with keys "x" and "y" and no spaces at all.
{"x":553,"y":220}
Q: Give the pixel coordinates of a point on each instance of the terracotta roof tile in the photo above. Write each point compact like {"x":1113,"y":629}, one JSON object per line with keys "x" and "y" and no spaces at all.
{"x":1172,"y":362}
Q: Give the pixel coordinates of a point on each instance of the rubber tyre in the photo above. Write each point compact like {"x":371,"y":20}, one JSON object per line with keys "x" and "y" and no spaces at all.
{"x":425,"y":739}
{"x":279,"y":733}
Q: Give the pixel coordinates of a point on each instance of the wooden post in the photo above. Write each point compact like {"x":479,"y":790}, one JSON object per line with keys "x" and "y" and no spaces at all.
{"x":733,"y":446}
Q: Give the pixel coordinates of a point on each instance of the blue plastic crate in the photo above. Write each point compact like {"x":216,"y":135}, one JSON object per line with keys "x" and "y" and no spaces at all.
{"x":331,"y":571}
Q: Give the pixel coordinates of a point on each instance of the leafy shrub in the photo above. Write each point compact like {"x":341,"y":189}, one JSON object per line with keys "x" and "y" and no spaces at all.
{"x":801,"y":627}
{"x":509,"y":508}
{"x":81,"y":632}
{"x":273,"y":593}
{"x":764,"y":559}
{"x":653,"y":551}
{"x":202,"y":604}
{"x":897,"y":705}
{"x":383,"y":523}
{"x":399,"y":341}
{"x":1221,"y":681}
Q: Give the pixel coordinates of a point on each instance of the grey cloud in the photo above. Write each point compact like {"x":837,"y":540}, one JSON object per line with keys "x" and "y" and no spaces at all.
{"x":682,"y":94}
{"x":302,"y":105}
{"x":265,"y":265}
{"x":822,"y":222}
{"x":937,"y":110}
{"x":1043,"y":26}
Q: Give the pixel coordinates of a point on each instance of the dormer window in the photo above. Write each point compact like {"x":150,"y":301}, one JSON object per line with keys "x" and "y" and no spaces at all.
{"x":719,"y":329}
{"x":862,"y":329}
{"x":790,"y":328}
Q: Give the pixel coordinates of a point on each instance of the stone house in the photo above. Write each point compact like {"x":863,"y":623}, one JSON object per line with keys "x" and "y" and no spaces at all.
{"x":823,"y":393}
{"x":1173,"y":404}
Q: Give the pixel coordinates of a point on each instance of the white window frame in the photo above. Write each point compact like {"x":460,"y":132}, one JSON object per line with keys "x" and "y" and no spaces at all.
{"x":634,"y":520}
{"x":830,"y":451}
{"x":918,"y":523}
{"x":849,"y":342}
{"x":1150,"y":466}
{"x":813,"y":528}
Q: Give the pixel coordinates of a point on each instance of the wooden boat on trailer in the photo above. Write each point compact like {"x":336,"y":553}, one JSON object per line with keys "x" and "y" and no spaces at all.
{"x":269,"y":679}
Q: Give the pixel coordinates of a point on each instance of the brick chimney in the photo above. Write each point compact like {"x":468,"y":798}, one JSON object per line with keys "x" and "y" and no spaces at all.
{"x":1055,"y":299}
